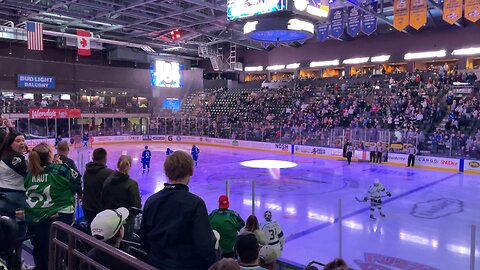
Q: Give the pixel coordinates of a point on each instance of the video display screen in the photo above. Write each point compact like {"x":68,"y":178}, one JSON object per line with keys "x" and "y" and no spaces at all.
{"x":166,"y":74}
{"x":237,"y":9}
{"x":173,"y":104}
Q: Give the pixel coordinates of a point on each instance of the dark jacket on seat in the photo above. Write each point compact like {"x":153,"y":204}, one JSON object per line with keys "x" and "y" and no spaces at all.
{"x":175,"y":230}
{"x":119,"y":190}
{"x":93,"y":179}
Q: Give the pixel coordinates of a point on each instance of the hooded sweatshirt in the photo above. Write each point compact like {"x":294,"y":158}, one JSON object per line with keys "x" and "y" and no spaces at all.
{"x":93,"y":179}
{"x":119,"y":190}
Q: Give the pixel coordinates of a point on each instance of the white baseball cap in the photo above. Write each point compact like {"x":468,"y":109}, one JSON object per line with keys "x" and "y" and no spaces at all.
{"x":107,"y":223}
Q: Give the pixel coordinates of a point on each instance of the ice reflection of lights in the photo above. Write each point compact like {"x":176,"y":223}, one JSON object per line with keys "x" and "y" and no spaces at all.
{"x":353,"y":225}
{"x":323,"y":218}
{"x":275,"y":173}
{"x":273,"y":206}
{"x":249,"y":202}
{"x":418,"y":239}
{"x":291,"y":210}
{"x":135,"y":159}
{"x":461,"y":250}
{"x":268,"y":164}
{"x":374,"y":228}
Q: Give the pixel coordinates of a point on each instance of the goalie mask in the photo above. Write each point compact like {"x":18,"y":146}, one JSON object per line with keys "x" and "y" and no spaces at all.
{"x":267,"y":215}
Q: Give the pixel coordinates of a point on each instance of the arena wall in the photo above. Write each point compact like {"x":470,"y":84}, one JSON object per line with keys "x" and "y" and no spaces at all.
{"x":394,"y":159}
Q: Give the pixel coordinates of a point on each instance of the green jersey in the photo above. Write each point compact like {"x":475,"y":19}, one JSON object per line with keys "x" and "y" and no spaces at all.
{"x":227,"y":222}
{"x":51,"y":192}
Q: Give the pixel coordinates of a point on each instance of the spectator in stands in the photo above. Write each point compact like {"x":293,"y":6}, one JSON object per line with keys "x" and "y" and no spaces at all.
{"x":175,"y":231}
{"x":337,"y":264}
{"x":228,"y":223}
{"x":50,"y":187}
{"x":119,"y":190}
{"x":252,"y":226}
{"x":13,"y":169}
{"x":6,"y":127}
{"x":96,"y":172}
{"x":108,"y":227}
{"x":225,"y":264}
{"x":247,"y":250}
{"x":63,"y":150}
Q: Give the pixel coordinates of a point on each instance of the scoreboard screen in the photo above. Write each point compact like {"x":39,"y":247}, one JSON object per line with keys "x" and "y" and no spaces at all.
{"x":237,"y":9}
{"x":166,"y":74}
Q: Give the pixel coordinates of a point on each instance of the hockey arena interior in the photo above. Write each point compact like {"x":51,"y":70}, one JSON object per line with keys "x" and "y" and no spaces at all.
{"x":240,"y":134}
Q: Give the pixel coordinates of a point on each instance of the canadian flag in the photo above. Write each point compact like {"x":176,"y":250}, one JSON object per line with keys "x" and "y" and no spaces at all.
{"x":83,"y":42}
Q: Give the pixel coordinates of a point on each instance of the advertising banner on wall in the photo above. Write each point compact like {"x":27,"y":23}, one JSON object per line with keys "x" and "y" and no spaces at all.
{"x":44,"y":113}
{"x":35,"y":81}
{"x":401,"y":14}
{"x":336,"y":23}
{"x":369,"y":22}
{"x":353,"y":21}
{"x":322,"y":32}
{"x":472,"y":166}
{"x":452,"y":10}
{"x":472,"y":10}
{"x":418,"y":13}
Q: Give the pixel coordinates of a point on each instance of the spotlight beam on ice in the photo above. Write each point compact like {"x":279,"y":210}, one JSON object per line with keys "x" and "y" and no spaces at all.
{"x":268,"y":164}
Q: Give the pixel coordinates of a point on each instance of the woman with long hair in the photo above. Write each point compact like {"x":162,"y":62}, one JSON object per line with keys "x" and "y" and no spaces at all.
{"x":119,"y":190}
{"x":50,"y":188}
{"x":252,"y":226}
{"x":13,"y":169}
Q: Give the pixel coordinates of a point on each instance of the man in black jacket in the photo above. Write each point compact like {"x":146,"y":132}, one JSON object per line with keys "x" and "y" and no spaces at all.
{"x":63,"y":150}
{"x":175,"y":230}
{"x":96,"y":172}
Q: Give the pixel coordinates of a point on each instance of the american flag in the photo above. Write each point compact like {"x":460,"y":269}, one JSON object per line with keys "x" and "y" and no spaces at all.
{"x":35,"y":36}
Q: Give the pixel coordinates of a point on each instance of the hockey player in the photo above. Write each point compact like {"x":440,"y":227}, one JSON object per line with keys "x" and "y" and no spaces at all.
{"x":169,"y":152}
{"x":146,"y":156}
{"x":374,"y":195}
{"x":195,"y":152}
{"x":411,"y":151}
{"x":274,"y":234}
{"x":85,"y":139}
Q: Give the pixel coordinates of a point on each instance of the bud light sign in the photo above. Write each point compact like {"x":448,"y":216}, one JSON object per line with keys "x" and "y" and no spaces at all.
{"x":35,"y":81}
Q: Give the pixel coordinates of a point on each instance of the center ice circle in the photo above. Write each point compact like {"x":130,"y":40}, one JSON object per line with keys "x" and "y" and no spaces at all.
{"x":268,"y":164}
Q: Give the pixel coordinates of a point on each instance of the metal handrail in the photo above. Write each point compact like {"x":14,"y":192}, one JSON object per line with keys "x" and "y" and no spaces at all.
{"x":73,"y":257}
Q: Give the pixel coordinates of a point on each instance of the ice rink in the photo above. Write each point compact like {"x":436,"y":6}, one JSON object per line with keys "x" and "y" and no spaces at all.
{"x":428,"y":218}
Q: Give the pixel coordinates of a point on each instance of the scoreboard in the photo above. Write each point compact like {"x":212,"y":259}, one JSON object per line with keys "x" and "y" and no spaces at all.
{"x":237,"y":9}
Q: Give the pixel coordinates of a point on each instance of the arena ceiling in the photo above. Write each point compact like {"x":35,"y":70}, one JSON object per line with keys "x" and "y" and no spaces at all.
{"x":202,"y":22}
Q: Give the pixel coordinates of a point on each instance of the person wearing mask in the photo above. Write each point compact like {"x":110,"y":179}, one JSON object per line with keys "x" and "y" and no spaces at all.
{"x":50,"y":187}
{"x":175,"y":231}
{"x":13,"y":169}
{"x":96,"y":172}
{"x":119,"y":190}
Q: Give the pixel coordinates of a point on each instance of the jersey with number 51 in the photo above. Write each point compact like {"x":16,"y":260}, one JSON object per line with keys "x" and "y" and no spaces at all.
{"x":51,"y":192}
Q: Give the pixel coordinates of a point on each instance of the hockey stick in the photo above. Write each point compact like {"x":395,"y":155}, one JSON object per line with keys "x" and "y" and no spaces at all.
{"x":359,"y":200}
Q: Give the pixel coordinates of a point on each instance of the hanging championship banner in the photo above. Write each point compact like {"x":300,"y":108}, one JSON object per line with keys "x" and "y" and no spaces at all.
{"x":401,"y":9}
{"x":418,"y":13}
{"x":322,"y":32}
{"x":336,"y":23}
{"x":369,"y":22}
{"x":452,"y":10}
{"x":472,"y":10}
{"x":353,"y":21}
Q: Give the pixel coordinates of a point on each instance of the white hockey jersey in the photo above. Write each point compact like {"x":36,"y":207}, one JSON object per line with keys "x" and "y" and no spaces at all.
{"x":274,"y":234}
{"x":375,"y":191}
